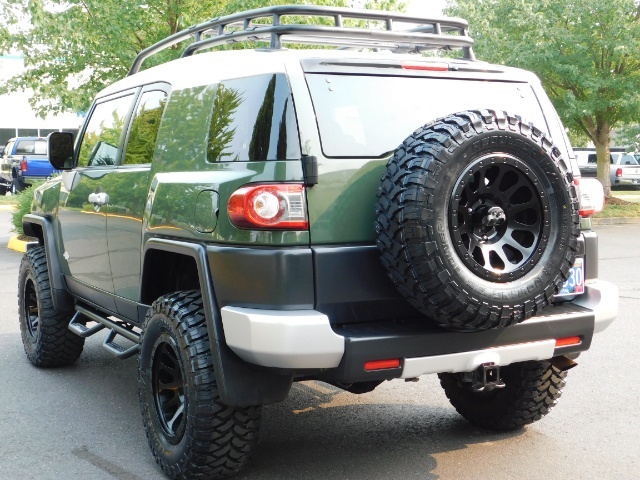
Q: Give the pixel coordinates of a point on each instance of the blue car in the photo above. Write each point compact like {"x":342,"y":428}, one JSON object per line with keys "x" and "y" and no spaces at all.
{"x":24,"y":160}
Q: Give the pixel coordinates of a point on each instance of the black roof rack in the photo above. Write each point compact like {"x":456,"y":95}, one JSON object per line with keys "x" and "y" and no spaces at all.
{"x":431,"y":34}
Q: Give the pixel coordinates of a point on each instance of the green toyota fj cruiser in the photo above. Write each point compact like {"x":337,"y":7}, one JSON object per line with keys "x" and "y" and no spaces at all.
{"x":243,"y":219}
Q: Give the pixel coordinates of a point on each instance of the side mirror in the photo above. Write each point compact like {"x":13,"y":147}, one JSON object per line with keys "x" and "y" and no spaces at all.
{"x":61,"y":150}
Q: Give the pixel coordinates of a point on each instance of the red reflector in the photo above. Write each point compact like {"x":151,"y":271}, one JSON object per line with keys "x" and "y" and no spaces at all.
{"x":565,"y":342}
{"x":431,"y":67}
{"x":587,"y":212}
{"x":382,"y":364}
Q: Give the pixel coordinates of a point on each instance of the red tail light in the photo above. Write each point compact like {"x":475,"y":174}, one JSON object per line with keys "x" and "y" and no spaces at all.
{"x":619,"y":172}
{"x":269,"y":207}
{"x":591,"y":196}
{"x":23,"y":164}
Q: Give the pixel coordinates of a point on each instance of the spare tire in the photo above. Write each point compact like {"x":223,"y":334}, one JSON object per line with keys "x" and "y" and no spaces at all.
{"x":477,"y":220}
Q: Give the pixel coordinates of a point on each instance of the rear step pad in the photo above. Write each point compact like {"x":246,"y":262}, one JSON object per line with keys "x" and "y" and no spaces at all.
{"x":79,"y":328}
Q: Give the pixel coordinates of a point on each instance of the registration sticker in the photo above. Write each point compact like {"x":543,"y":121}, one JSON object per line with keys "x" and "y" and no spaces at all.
{"x":575,"y":283}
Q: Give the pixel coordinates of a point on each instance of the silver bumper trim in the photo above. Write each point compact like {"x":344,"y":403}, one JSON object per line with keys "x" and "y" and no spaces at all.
{"x":469,"y":361}
{"x":602,"y":298}
{"x":282,"y":339}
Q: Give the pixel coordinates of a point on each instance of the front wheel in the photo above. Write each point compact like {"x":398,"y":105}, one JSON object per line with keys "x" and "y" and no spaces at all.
{"x":531,"y":390}
{"x":47,"y":340}
{"x":190,"y":432}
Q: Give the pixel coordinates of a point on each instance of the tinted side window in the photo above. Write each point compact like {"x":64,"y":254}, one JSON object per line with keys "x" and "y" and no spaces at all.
{"x":144,"y":128}
{"x":101,"y":141}
{"x":253,"y":119}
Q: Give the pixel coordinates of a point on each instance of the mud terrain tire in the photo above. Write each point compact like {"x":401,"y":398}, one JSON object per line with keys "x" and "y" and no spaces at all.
{"x":532,"y":390}
{"x":477,"y":220}
{"x":47,"y":340}
{"x":190,"y":432}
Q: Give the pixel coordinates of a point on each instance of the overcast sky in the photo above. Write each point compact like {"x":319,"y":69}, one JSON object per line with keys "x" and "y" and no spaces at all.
{"x":15,"y":111}
{"x":426,"y":7}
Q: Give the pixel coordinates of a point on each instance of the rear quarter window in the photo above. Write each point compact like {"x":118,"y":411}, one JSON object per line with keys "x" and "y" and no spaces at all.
{"x":253,"y":119}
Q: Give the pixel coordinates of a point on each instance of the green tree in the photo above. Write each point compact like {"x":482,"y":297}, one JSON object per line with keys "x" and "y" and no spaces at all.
{"x":221,"y":134}
{"x":586,"y":52}
{"x":143,"y":134}
{"x":74,"y":48}
{"x":630,"y":135}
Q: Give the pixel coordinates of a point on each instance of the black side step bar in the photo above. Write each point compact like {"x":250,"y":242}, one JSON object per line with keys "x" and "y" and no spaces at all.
{"x":79,"y":328}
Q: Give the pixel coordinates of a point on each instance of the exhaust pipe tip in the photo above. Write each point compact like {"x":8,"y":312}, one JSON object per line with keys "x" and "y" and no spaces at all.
{"x":563,"y":363}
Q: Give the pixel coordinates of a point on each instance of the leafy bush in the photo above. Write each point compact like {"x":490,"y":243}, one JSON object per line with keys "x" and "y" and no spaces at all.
{"x":23,"y":206}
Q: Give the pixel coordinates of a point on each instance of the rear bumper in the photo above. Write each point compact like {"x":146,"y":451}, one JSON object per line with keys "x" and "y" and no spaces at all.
{"x":34,"y":178}
{"x":602,"y":298}
{"x":306,"y":340}
{"x":625,"y":181}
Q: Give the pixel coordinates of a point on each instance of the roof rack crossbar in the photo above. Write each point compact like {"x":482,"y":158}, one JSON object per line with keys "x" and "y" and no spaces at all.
{"x":309,"y":34}
{"x":432,"y":33}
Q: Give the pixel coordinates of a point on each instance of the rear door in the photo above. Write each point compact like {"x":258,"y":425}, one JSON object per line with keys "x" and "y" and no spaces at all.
{"x":364,"y":114}
{"x":128,"y":186}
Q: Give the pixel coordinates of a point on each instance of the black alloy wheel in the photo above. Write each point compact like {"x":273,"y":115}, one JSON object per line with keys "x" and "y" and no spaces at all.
{"x":499,"y":218}
{"x":191,"y":433}
{"x":168,"y":389}
{"x":30,"y":309}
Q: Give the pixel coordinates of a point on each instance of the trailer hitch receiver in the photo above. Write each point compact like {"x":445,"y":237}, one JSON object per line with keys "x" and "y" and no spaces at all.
{"x":484,"y":378}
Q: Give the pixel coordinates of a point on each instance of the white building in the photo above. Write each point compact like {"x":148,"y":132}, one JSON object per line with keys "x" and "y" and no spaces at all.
{"x":17,"y":118}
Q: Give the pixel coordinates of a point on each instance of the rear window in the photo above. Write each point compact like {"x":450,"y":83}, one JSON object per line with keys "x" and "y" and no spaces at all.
{"x":613,"y":158}
{"x":31,"y":147}
{"x":369,"y":116}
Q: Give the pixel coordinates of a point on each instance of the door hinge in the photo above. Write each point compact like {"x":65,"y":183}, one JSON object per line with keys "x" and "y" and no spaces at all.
{"x":310,"y":170}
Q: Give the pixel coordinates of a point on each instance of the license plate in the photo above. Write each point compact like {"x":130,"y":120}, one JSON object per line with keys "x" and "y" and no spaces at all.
{"x":575,"y":283}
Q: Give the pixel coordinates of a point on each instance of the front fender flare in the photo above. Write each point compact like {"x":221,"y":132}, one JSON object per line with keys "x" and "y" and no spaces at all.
{"x":41,"y":228}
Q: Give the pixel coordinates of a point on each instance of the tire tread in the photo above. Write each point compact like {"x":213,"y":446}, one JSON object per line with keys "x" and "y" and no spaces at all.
{"x":222,"y":437}
{"x":533,"y":391}
{"x":56,"y":345}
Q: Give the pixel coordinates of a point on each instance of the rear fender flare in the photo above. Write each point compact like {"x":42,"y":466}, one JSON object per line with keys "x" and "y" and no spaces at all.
{"x":238,"y":383}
